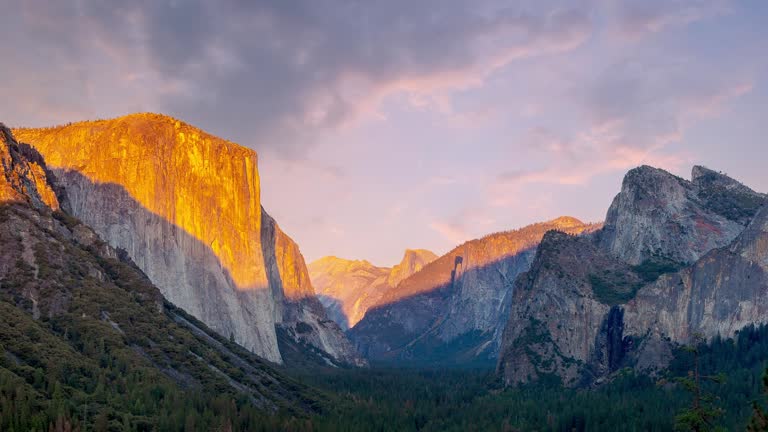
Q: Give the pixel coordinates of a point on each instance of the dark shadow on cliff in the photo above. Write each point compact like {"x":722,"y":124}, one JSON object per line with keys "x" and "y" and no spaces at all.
{"x":208,"y":299}
{"x":335,"y":310}
{"x":413,"y":323}
{"x":406,"y":330}
{"x":45,"y":329}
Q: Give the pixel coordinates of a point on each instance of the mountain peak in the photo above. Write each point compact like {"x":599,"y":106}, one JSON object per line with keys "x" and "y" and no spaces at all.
{"x":710,"y":179}
{"x":23,"y":174}
{"x":143,"y":179}
{"x":566,"y":222}
{"x":413,"y":261}
{"x":699,"y":171}
{"x":142,"y":127}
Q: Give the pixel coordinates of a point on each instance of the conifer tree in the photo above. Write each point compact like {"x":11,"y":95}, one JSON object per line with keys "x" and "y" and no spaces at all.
{"x":759,"y":420}
{"x":702,"y":413}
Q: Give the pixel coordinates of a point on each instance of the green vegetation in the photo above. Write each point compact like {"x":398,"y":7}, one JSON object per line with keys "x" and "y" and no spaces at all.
{"x":759,"y":420}
{"x":457,"y":400}
{"x":652,"y":268}
{"x":613,"y":288}
{"x":734,"y":204}
{"x":87,"y":344}
{"x":703,"y":411}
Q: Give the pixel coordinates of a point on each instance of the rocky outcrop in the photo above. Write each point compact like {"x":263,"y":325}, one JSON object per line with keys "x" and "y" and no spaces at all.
{"x":185,"y":206}
{"x":453,"y":311}
{"x":23,"y":177}
{"x":299,"y":313}
{"x":721,"y":293}
{"x":560,"y":311}
{"x":413,"y":261}
{"x":70,"y":302}
{"x":671,"y":261}
{"x":658,"y":216}
{"x":349,"y":288}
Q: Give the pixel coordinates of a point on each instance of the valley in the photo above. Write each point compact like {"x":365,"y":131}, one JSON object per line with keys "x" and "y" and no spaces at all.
{"x":140,"y":299}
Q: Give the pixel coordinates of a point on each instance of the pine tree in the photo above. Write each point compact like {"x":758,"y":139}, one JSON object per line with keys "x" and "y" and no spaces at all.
{"x":702,"y":412}
{"x":759,"y":420}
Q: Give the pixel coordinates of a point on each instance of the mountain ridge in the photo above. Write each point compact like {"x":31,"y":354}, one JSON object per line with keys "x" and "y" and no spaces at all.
{"x":683,"y":260}
{"x":185,"y":205}
{"x":452,"y":312}
{"x":348,"y":288}
{"x":83,"y":326}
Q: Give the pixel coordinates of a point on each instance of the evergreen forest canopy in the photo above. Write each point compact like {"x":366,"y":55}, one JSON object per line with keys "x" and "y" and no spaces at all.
{"x":76,"y":397}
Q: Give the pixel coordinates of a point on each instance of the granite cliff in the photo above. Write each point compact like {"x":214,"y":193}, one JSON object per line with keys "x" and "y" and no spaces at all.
{"x":453,"y":311}
{"x":185,"y":207}
{"x":75,"y":312}
{"x":675,"y":258}
{"x":349,"y":288}
{"x":24,"y":177}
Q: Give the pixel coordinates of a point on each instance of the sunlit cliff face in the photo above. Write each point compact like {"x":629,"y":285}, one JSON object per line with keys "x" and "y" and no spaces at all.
{"x":185,"y":207}
{"x":200,"y":183}
{"x":21,"y":178}
{"x":479,"y":253}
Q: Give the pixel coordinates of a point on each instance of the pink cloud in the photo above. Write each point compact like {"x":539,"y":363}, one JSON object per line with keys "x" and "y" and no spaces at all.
{"x":638,"y":19}
{"x":451,"y":232}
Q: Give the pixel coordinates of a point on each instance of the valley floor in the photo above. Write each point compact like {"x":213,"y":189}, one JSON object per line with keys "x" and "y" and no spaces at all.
{"x":380,"y":399}
{"x":472,"y":400}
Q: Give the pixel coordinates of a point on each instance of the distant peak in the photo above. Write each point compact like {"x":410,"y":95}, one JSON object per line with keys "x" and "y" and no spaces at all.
{"x":141,"y":124}
{"x":419,"y":253}
{"x":329,"y":261}
{"x":701,"y":175}
{"x":648,"y":178}
{"x":566,"y":222}
{"x":700,"y":171}
{"x":645,"y":170}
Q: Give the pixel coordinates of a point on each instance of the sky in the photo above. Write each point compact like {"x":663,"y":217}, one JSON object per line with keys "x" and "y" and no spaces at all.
{"x":383,"y":125}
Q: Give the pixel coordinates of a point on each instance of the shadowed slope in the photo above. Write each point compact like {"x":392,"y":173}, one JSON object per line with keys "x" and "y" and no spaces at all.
{"x":675,"y":258}
{"x":185,"y":205}
{"x":349,"y":288}
{"x":85,"y":337}
{"x":453,"y":311}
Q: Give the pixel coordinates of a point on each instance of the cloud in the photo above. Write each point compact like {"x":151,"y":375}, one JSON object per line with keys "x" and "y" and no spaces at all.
{"x":470,"y":222}
{"x":273,"y":73}
{"x":636,"y":19}
{"x":629,"y":115}
{"x":454,"y":233}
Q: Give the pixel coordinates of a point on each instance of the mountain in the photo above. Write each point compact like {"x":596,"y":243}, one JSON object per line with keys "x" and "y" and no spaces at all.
{"x":185,"y":207}
{"x":86,"y":339}
{"x":675,"y":259}
{"x":349,"y":288}
{"x":453,"y":311}
{"x":413,"y":261}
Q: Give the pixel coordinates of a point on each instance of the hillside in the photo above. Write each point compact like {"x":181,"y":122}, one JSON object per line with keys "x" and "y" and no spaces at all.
{"x":676,"y":259}
{"x":185,"y":206}
{"x":348,"y":288}
{"x":453,"y":311}
{"x":86,"y":339}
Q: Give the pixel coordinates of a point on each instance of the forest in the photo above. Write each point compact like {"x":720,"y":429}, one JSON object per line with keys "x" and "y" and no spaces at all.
{"x":380,"y":399}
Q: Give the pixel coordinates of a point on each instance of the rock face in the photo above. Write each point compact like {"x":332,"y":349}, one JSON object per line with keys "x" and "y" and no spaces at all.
{"x":675,"y":258}
{"x":62,"y":288}
{"x":185,"y":206}
{"x":349,"y":288}
{"x":299,"y":313}
{"x":413,"y":261}
{"x":23,"y":177}
{"x":721,"y":293}
{"x":559,"y":308}
{"x":661,"y":216}
{"x":453,"y":311}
